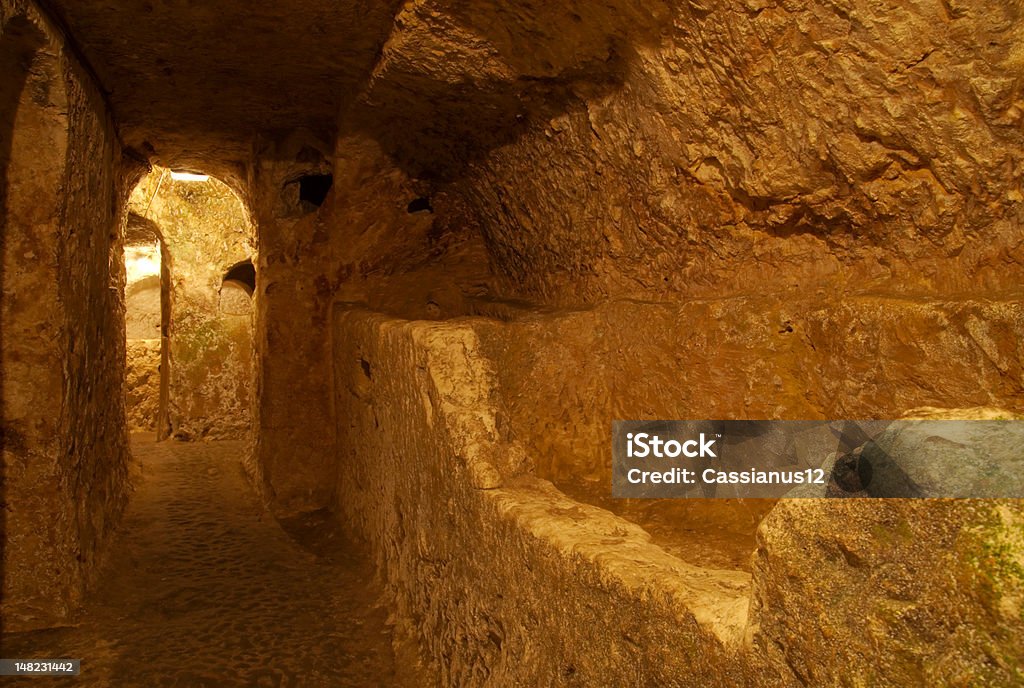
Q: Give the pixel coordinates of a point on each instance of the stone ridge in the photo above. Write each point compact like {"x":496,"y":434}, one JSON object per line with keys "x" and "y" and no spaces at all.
{"x":523,"y":571}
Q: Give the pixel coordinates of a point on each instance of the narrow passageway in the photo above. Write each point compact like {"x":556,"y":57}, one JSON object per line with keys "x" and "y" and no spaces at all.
{"x":423,"y":274}
{"x":204,"y":588}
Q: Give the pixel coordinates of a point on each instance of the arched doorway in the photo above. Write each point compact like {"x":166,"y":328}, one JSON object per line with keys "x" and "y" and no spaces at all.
{"x":195,"y":380}
{"x":147,"y":325}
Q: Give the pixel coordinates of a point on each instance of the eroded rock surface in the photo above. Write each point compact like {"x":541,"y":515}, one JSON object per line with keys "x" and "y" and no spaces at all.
{"x":718,"y":149}
{"x":63,"y":188}
{"x":652,"y":208}
{"x":906,"y":592}
{"x":143,"y":384}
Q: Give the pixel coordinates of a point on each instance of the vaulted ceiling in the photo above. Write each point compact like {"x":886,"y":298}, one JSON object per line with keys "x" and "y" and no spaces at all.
{"x":195,"y":80}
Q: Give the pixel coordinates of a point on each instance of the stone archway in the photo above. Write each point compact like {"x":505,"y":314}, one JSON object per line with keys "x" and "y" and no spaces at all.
{"x":208,"y":354}
{"x":147,"y":326}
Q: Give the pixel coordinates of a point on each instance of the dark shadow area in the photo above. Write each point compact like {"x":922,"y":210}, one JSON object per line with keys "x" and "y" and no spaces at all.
{"x":323,"y":535}
{"x":433,"y":130}
{"x":313,"y":188}
{"x":434,"y":125}
{"x":266,"y":79}
{"x":244,"y":275}
{"x":304,"y":194}
{"x":420,"y":205}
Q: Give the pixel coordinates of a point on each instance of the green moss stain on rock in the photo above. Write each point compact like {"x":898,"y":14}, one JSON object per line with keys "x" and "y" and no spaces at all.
{"x":996,"y":558}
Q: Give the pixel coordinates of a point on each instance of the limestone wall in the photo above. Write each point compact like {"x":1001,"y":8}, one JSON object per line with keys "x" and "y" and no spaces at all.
{"x":64,"y":445}
{"x":144,"y":329}
{"x":568,"y":374}
{"x":655,"y":148}
{"x":753,"y":210}
{"x":362,"y":244}
{"x":499,"y":577}
{"x":143,"y":384}
{"x":444,"y":426}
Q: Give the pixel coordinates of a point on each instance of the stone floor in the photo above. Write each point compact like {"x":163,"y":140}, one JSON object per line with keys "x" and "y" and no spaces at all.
{"x":204,"y":588}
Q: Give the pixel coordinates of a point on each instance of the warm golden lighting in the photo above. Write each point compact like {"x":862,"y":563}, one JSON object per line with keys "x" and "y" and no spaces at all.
{"x":141,"y":262}
{"x":189,"y":177}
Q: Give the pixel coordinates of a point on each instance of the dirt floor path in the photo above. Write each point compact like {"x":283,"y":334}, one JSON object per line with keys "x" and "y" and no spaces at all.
{"x":204,"y":588}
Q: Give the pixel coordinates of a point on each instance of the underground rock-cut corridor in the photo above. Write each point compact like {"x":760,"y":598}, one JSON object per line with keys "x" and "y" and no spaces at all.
{"x":208,"y":589}
{"x":321,"y":322}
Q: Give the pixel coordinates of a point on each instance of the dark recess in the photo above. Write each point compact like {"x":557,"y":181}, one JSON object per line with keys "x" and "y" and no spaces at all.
{"x":243,"y":274}
{"x":313,"y":188}
{"x":420,"y":205}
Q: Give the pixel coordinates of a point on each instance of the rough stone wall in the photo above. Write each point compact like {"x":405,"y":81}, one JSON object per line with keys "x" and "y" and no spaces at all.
{"x":824,"y":199}
{"x":894,"y":592}
{"x":795,"y":210}
{"x":64,"y":446}
{"x":498,"y":576}
{"x":753,"y":357}
{"x":143,"y":332}
{"x":143,"y":385}
{"x":205,"y":230}
{"x":659,"y":149}
{"x":495,"y":574}
{"x":361,"y":245}
{"x":567,"y":375}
